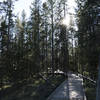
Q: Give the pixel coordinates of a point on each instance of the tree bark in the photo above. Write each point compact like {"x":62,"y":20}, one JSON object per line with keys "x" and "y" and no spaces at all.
{"x":52,"y":37}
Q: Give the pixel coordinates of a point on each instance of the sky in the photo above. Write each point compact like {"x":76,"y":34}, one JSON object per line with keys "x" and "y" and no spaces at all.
{"x":21,"y":5}
{"x":25,"y":4}
{"x":71,"y":5}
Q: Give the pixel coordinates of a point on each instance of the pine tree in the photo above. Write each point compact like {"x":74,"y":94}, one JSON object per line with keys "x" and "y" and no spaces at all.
{"x":44,"y":37}
{"x":35,"y":23}
{"x":87,"y":37}
{"x":3,"y":50}
{"x":51,"y":5}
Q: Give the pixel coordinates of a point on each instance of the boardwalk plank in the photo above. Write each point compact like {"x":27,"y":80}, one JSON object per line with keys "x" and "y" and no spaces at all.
{"x":71,"y":89}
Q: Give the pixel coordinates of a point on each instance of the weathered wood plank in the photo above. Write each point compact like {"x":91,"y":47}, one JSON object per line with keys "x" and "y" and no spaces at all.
{"x":71,"y":89}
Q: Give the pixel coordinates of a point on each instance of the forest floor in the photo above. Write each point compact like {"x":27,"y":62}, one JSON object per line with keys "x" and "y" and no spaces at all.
{"x":71,"y":89}
{"x":56,"y":88}
{"x":90,"y":93}
{"x":39,"y":89}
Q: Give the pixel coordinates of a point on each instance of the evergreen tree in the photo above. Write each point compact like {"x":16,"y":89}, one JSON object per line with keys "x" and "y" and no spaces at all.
{"x":87,"y":37}
{"x":35,"y":29}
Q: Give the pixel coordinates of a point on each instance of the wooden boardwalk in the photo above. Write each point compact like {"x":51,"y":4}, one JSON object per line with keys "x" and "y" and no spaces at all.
{"x":71,"y":89}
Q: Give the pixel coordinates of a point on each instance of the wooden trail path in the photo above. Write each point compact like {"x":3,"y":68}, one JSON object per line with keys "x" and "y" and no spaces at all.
{"x":71,"y":89}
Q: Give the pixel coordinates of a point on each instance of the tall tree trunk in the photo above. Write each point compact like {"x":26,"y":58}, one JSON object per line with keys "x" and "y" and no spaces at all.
{"x":66,"y":58}
{"x":52,"y":37}
{"x":46,"y":52}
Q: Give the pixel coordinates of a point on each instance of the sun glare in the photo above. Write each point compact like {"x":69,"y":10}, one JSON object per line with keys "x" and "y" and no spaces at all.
{"x":71,"y":10}
{"x":66,"y":20}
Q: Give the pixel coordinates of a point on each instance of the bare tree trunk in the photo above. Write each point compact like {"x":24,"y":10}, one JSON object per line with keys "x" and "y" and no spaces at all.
{"x":66,"y":58}
{"x":9,"y":22}
{"x":46,"y":53}
{"x":52,"y":38}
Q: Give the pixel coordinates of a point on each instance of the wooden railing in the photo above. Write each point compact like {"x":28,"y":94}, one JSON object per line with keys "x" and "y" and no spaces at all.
{"x":88,"y":78}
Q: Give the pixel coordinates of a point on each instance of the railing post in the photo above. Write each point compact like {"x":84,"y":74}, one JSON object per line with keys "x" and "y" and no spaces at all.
{"x":98,"y":83}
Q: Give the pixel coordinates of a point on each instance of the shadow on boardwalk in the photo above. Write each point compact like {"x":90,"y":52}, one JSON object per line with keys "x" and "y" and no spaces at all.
{"x":61,"y":93}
